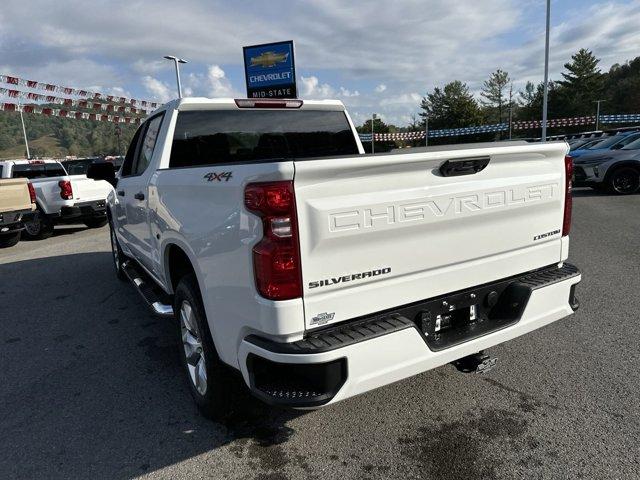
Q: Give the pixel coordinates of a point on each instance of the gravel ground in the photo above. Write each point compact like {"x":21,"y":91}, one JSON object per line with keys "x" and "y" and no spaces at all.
{"x":91,"y":386}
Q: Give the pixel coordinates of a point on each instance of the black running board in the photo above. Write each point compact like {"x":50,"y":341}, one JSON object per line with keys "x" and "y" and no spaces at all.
{"x":158,"y":301}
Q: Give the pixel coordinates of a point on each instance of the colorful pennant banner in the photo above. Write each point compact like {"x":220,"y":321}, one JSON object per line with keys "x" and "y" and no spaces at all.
{"x":48,"y":87}
{"x":57,"y":112}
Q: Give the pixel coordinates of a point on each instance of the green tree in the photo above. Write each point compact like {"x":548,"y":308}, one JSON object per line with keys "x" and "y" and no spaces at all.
{"x":495,"y":94}
{"x":582,"y":84}
{"x":450,"y":107}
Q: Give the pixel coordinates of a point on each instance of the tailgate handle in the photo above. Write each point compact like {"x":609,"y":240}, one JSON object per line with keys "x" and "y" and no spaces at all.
{"x":463,"y":166}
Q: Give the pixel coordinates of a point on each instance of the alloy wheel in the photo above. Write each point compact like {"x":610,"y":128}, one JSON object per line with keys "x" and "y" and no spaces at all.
{"x":193,"y":350}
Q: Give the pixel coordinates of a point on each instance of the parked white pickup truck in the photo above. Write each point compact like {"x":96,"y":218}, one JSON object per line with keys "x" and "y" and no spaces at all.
{"x":60,"y":198}
{"x":320,"y":272}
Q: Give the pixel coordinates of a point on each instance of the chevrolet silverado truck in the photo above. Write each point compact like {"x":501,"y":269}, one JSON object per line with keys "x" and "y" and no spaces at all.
{"x":60,"y":198}
{"x":17,"y":202}
{"x":319,"y":272}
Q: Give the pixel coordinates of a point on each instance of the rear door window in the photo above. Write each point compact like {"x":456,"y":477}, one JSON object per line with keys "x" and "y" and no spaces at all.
{"x":148,"y":144}
{"x":229,"y":136}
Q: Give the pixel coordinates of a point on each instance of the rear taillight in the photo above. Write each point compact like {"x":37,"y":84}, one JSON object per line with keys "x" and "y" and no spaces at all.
{"x":276,"y":258}
{"x":568,"y":198}
{"x":32,"y":192}
{"x":66,"y":193}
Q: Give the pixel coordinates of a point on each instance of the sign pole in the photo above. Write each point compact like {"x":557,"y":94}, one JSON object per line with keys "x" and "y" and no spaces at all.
{"x":24,"y":131}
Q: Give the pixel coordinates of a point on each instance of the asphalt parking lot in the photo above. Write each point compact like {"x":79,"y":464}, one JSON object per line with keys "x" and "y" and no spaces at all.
{"x":91,"y":386}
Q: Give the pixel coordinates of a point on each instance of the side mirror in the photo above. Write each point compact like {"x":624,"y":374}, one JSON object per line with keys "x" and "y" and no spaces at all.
{"x":102,"y":171}
{"x":617,"y":146}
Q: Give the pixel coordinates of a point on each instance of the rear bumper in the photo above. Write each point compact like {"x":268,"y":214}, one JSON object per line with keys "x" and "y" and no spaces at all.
{"x":11,"y":222}
{"x":354,"y":358}
{"x":79,"y":211}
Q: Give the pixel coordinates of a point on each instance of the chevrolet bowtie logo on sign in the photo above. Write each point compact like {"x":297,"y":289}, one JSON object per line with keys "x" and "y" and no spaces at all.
{"x":270,"y":70}
{"x":269,"y":59}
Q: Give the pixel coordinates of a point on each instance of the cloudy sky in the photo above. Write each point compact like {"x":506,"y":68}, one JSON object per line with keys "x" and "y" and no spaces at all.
{"x":374,"y":56}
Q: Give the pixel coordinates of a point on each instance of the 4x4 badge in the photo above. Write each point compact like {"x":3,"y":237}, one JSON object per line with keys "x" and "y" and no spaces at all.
{"x":213,"y":176}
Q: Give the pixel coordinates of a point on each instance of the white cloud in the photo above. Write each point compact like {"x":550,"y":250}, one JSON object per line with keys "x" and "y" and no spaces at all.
{"x":158,"y":90}
{"x":343,"y":48}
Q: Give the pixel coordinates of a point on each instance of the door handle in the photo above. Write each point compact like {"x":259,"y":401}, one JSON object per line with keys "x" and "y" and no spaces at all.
{"x":463,"y":166}
{"x":121,"y":193}
{"x":139,"y":196}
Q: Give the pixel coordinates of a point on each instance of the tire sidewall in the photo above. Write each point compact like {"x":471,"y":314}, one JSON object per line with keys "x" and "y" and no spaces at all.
{"x":617,"y":172}
{"x":215,"y":402}
{"x":9,"y":240}
{"x":45,"y":226}
{"x":116,"y":248}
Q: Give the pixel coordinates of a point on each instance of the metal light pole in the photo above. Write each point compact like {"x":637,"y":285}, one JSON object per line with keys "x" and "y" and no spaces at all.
{"x":373,"y":148}
{"x":24,"y":131}
{"x":546,"y":74}
{"x":176,"y":61}
{"x":598,"y":102}
{"x":510,"y":109}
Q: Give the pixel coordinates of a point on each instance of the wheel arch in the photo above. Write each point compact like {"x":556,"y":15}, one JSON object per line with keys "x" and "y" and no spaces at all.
{"x":177,"y":263}
{"x":635,"y":164}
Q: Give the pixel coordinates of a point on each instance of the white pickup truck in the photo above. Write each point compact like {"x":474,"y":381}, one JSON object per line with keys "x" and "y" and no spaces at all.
{"x":319,"y":272}
{"x":60,"y":198}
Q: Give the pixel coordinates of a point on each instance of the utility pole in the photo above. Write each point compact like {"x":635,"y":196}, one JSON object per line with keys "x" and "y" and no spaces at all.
{"x":598,"y":102}
{"x":177,"y":61}
{"x":373,"y":118}
{"x":426,"y":131}
{"x":24,"y":131}
{"x":546,"y":75}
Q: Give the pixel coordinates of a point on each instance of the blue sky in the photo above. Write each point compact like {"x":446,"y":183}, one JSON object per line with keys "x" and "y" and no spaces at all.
{"x":374,"y":56}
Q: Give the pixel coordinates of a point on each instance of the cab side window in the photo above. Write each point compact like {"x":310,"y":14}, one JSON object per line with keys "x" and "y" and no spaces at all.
{"x":127,"y":164}
{"x":148,"y":144}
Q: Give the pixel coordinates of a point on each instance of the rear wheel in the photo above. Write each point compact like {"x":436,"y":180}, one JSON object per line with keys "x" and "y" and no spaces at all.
{"x":210,"y":381}
{"x":95,"y":222}
{"x":38,"y":227}
{"x":624,"y":181}
{"x":9,"y":240}
{"x":116,"y":251}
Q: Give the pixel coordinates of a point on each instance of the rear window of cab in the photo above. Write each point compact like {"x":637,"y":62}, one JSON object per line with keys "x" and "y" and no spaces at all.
{"x":230,"y":136}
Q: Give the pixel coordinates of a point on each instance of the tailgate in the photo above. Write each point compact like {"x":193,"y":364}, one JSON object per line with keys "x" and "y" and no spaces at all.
{"x":381,"y":231}
{"x":14,"y":195}
{"x":86,"y":189}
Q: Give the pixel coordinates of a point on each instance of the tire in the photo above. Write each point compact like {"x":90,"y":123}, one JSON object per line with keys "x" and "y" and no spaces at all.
{"x":118,"y":254}
{"x":9,"y":240}
{"x":624,"y":181}
{"x":38,"y":227}
{"x":211,"y":383}
{"x":96,"y":222}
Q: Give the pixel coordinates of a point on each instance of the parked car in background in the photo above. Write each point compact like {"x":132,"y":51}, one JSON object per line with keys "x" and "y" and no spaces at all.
{"x":614,"y":142}
{"x":617,"y":171}
{"x":60,"y":197}
{"x":584,"y":143}
{"x":17,"y":202}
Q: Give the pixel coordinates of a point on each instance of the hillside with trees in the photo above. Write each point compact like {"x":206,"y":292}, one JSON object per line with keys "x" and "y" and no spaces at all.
{"x":574,"y":94}
{"x":56,"y":136}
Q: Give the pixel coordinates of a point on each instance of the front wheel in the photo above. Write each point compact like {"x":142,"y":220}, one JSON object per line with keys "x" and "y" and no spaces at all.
{"x":96,"y":222}
{"x":38,"y":227}
{"x":118,"y":255}
{"x":624,"y":181}
{"x":210,"y":381}
{"x":9,"y":240}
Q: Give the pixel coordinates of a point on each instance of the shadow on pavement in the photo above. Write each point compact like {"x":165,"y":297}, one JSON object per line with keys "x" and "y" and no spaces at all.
{"x":91,"y":384}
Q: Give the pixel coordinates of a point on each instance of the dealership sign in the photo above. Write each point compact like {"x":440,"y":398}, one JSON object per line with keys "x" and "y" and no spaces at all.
{"x":270,"y":70}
